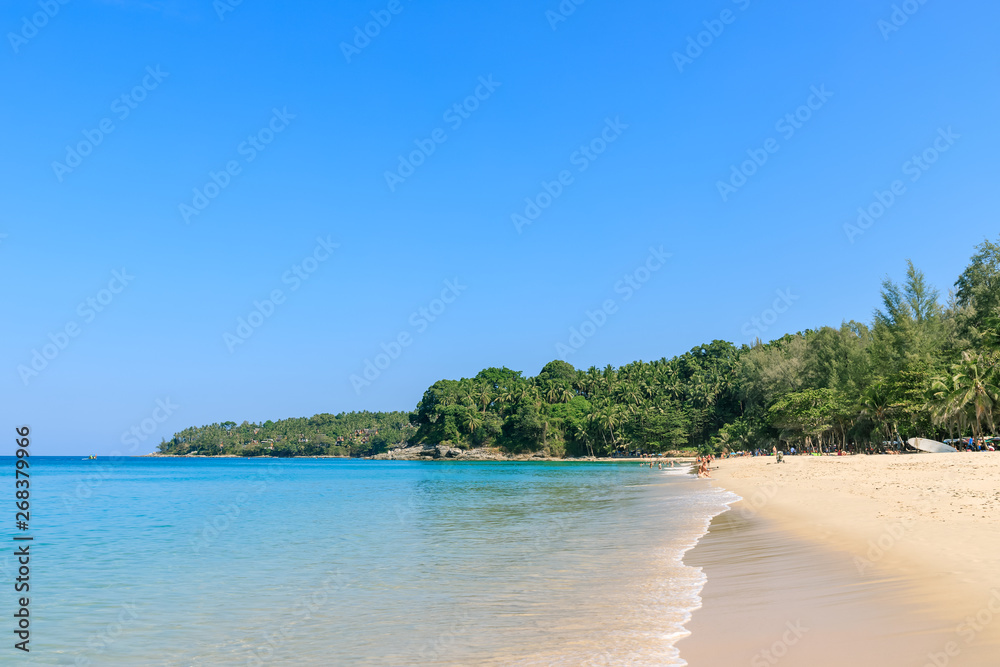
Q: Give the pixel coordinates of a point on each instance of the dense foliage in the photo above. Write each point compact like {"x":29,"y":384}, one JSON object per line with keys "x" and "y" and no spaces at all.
{"x":919,"y":368}
{"x":345,"y":434}
{"x":646,"y":406}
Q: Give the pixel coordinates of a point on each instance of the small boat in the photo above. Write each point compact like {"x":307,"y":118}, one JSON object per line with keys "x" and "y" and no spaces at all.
{"x":89,"y":458}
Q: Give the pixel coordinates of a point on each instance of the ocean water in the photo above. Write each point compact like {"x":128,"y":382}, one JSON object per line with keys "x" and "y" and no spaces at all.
{"x":352,"y":562}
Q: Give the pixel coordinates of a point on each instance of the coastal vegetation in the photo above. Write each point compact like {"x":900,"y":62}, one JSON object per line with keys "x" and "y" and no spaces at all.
{"x":344,"y":434}
{"x":920,"y":367}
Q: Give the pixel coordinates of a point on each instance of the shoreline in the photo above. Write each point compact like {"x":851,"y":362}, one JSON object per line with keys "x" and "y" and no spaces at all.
{"x":885,"y":559}
{"x":515,"y":458}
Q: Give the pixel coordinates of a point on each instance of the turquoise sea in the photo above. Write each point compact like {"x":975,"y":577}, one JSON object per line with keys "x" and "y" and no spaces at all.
{"x":351,"y":562}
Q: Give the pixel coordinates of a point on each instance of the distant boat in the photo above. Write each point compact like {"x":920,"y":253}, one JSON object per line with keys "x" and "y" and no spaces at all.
{"x":89,"y":458}
{"x":932,"y":446}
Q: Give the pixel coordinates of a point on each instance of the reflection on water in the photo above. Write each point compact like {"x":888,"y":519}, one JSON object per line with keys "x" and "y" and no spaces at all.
{"x":324,"y":562}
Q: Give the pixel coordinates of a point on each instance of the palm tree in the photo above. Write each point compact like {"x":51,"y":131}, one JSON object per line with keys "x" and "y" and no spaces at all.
{"x":672,"y":384}
{"x":609,"y":373}
{"x":940,"y":405}
{"x":609,"y":417}
{"x":508,"y":395}
{"x":473,"y":420}
{"x":581,"y":434}
{"x":972,"y":388}
{"x":591,"y":381}
{"x":630,"y":394}
{"x":485,"y":395}
{"x":469,"y":398}
{"x":877,"y":405}
{"x":522,"y":392}
{"x":646,"y":389}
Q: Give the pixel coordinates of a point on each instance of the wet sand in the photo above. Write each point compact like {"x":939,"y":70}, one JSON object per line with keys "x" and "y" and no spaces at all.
{"x":888,"y":560}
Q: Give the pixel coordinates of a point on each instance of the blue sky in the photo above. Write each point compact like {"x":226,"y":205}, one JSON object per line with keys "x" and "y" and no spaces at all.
{"x":596,"y":96}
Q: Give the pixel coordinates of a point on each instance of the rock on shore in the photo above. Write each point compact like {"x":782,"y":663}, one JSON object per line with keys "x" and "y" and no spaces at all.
{"x":426,"y":452}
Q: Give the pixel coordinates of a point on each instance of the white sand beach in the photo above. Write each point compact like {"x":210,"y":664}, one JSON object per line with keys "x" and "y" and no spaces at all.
{"x":887,"y":560}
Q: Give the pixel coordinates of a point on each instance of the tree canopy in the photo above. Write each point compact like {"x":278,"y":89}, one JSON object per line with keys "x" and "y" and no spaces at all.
{"x":920,"y":368}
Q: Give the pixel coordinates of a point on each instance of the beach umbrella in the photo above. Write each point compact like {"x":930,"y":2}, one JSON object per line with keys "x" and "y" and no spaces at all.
{"x":932,"y":446}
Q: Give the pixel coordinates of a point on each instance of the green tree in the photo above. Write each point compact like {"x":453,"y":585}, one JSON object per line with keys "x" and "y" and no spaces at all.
{"x":558,"y":371}
{"x":971,"y":392}
{"x":977,"y":297}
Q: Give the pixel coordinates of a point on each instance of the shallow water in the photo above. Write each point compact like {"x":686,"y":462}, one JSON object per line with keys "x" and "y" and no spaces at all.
{"x":338,"y":562}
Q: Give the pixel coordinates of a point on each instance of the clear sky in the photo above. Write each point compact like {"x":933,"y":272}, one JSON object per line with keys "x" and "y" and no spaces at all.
{"x":205,"y":150}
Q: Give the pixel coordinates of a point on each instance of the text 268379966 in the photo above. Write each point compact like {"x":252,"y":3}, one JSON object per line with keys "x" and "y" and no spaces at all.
{"x":22,"y":500}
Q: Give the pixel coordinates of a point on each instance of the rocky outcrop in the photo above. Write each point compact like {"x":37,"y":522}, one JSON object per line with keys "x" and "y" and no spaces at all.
{"x":427,"y":452}
{"x":420,"y":452}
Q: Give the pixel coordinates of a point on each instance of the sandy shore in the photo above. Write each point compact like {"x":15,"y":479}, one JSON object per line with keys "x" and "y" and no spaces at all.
{"x":859,"y":560}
